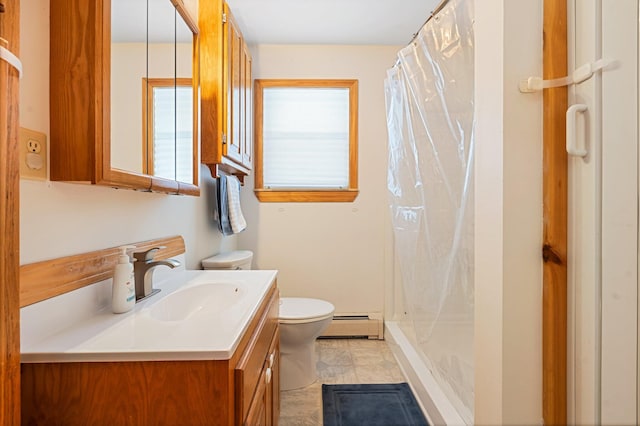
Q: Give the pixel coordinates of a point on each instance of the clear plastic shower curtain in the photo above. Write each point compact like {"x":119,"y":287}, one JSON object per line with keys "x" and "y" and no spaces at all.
{"x":430,"y":116}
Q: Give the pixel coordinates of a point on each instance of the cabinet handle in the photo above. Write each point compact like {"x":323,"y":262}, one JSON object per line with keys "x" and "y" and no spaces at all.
{"x":272,"y":358}
{"x":224,"y":139}
{"x":267,"y":376}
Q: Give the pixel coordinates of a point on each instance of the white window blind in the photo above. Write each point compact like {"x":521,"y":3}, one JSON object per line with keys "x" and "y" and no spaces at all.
{"x":184,"y":134}
{"x":163,"y":130}
{"x":173,"y":157}
{"x":306,"y":138}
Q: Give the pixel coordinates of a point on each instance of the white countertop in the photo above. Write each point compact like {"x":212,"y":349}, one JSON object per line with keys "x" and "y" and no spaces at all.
{"x":139,"y":335}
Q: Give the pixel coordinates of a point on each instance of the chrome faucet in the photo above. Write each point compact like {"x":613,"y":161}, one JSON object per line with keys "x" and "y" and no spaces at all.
{"x":143,"y":271}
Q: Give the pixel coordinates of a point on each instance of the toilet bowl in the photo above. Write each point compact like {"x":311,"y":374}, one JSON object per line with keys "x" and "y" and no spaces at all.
{"x":301,"y":320}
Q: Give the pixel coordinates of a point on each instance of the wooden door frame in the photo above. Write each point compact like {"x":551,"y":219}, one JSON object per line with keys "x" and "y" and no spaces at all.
{"x":9,"y":229}
{"x":555,"y":217}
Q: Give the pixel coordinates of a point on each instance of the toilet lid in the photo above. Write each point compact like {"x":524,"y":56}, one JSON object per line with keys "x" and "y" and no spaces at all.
{"x":300,"y":309}
{"x":227,"y":259}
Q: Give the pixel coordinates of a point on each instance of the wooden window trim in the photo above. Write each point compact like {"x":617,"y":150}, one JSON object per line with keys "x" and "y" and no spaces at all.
{"x":318,"y":196}
{"x":148,"y":84}
{"x":307,"y":195}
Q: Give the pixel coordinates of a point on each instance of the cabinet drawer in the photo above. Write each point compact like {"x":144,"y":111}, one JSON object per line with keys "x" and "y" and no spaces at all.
{"x":249,"y":369}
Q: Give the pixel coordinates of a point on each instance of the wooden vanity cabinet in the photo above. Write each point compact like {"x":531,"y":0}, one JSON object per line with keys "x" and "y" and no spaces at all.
{"x":226,"y":92}
{"x":243,"y":390}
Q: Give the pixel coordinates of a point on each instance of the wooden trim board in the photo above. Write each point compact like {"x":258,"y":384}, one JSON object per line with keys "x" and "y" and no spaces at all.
{"x":9,"y":225}
{"x":555,"y":211}
{"x":43,"y":280}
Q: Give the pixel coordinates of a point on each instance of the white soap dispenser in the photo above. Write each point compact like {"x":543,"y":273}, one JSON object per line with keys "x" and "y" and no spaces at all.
{"x":123,"y":294}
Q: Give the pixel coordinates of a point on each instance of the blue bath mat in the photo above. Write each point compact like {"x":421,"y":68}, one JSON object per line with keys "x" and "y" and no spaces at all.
{"x":371,"y":405}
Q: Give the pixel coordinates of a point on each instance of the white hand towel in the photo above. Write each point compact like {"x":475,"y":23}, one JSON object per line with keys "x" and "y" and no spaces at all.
{"x":235,"y":212}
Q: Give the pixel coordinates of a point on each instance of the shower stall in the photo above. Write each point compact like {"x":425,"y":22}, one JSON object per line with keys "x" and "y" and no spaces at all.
{"x":430,"y":117}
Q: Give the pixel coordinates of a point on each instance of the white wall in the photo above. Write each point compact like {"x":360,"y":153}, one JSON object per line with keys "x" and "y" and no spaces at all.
{"x":59,"y":219}
{"x":333,"y":251}
{"x":508,"y":241}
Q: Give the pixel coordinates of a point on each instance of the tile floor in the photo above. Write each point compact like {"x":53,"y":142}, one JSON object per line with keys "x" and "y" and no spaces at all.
{"x":339,"y":361}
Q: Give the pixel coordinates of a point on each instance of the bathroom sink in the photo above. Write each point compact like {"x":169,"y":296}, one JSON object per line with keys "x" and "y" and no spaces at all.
{"x":207,"y":298}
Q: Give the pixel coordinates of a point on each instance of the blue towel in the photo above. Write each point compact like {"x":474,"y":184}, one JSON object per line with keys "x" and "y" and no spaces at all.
{"x":222,"y":201}
{"x":238,"y":224}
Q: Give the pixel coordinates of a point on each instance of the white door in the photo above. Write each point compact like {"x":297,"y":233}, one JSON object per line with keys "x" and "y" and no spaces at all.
{"x":603,"y":217}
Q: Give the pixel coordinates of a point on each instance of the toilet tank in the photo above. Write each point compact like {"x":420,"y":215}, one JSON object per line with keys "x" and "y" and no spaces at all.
{"x":231,"y":260}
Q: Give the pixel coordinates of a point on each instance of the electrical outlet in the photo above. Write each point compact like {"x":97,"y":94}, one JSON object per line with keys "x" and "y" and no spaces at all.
{"x":34,"y":146}
{"x":33,"y":154}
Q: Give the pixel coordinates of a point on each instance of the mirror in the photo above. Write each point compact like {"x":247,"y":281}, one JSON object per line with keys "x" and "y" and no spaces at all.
{"x":153,"y":114}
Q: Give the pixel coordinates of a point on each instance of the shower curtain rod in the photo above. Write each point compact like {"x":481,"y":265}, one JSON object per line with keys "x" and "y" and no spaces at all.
{"x":434,"y":12}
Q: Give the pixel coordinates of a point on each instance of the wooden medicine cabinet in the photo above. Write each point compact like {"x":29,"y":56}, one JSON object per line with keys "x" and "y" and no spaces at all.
{"x":226,"y":92}
{"x":109,"y":125}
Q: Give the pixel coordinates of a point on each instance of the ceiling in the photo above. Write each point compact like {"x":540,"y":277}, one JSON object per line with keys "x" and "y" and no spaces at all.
{"x":142,"y":20}
{"x":372,"y":22}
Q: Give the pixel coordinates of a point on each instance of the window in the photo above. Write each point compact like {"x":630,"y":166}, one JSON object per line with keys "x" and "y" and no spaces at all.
{"x":168,"y":133}
{"x":306,"y":140}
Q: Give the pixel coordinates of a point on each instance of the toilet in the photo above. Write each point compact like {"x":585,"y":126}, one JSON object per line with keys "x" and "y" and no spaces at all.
{"x":301,"y":320}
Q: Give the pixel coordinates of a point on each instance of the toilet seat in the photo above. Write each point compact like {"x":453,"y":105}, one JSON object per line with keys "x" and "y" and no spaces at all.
{"x":300,"y":310}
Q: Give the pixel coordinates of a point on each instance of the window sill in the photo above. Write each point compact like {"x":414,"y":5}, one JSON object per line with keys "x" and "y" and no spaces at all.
{"x":317,"y":196}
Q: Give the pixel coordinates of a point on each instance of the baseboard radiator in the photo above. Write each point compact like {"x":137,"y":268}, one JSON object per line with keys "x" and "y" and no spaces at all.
{"x":370,"y":326}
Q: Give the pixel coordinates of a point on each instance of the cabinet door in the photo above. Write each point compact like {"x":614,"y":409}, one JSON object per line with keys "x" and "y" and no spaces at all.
{"x":265,"y":407}
{"x":259,"y":412}
{"x":253,"y":375}
{"x":225,"y":81}
{"x":247,"y":137}
{"x":273,"y":362}
{"x":235,"y":83}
